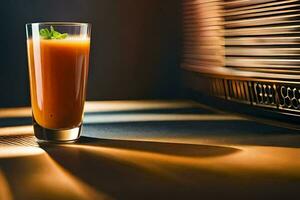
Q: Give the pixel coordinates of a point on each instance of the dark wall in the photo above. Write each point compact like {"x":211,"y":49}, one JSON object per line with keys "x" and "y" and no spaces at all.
{"x":135,"y":46}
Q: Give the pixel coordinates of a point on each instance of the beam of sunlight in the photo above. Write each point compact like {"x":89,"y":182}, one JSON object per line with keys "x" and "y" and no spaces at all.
{"x":32,"y":174}
{"x":276,"y":160}
{"x":116,"y":118}
{"x":64,"y":179}
{"x":168,"y":166}
{"x":130,"y":157}
{"x":16,"y":130}
{"x":104,"y":106}
{"x":250,"y":160}
{"x":19,"y":151}
{"x":111,"y":106}
{"x":15,"y":112}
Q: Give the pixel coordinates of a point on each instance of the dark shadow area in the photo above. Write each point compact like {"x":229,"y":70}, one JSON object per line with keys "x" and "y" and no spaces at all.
{"x":16,"y":121}
{"x":240,"y":132}
{"x":175,"y":149}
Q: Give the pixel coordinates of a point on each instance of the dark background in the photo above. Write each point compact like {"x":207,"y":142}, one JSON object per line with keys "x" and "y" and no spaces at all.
{"x":134,"y":54}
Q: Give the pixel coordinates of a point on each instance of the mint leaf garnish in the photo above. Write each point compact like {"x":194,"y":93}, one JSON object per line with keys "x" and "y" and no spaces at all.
{"x":52,"y":34}
{"x":45,"y":33}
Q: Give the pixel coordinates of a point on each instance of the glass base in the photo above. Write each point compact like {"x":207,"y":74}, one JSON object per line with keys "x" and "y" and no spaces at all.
{"x":56,"y":135}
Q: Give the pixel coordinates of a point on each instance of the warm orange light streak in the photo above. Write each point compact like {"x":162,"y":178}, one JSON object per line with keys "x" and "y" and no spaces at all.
{"x":38,"y":175}
{"x":19,"y":151}
{"x":63,"y":184}
{"x":275,"y":160}
{"x":104,"y":106}
{"x":250,"y":160}
{"x":111,"y":106}
{"x":15,"y":112}
{"x":16,"y":130}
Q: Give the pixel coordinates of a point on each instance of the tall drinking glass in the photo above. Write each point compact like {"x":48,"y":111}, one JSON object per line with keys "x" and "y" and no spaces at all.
{"x":58,"y":60}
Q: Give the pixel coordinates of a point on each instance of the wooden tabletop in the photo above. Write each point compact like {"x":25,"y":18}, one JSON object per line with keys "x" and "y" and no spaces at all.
{"x":151,"y":150}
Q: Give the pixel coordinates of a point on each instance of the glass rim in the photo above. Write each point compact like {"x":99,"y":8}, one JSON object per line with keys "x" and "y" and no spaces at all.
{"x":59,"y":23}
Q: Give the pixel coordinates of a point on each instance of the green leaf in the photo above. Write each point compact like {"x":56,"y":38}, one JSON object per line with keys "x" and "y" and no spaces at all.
{"x":63,"y":36}
{"x":45,"y":33}
{"x":52,"y":34}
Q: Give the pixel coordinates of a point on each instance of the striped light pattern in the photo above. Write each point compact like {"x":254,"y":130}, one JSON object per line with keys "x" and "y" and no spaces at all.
{"x":258,"y":38}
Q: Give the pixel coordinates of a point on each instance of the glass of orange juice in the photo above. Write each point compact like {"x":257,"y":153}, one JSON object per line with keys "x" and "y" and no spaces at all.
{"x":58,"y":61}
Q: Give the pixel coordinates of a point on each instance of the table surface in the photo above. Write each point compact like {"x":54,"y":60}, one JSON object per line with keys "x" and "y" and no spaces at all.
{"x":151,"y":150}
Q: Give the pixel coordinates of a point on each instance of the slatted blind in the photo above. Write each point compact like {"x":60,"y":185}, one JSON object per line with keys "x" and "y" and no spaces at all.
{"x":203,"y":47}
{"x":261,"y":36}
{"x":247,"y":51}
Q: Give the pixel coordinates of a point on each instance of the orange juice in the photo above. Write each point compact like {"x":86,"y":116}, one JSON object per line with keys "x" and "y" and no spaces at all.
{"x":58,"y":72}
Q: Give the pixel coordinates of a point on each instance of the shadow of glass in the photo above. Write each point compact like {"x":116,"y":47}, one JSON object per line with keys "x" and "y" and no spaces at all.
{"x":156,"y":170}
{"x":96,"y":168}
{"x":134,"y":169}
{"x":121,"y":169}
{"x":175,"y":149}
